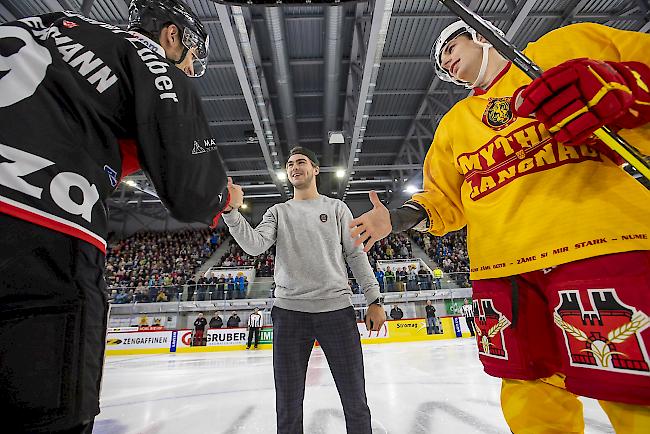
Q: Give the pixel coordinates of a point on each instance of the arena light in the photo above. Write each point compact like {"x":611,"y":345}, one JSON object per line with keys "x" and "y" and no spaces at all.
{"x":336,"y":138}
{"x":411,"y":189}
{"x":281,"y":174}
{"x":340,"y":173}
{"x":130,"y":183}
{"x":244,"y":206}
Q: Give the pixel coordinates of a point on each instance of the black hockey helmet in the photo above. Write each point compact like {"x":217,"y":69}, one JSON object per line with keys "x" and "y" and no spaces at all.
{"x":151,"y":16}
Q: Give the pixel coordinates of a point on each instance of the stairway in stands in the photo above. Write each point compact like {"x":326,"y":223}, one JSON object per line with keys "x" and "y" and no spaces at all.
{"x":214,"y":259}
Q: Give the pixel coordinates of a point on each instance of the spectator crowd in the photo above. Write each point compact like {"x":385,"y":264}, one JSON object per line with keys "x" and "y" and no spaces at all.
{"x":449,"y":252}
{"x":236,"y":257}
{"x":154,"y":266}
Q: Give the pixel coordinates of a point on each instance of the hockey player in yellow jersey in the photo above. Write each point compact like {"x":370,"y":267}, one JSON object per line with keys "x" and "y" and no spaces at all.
{"x":557,"y":232}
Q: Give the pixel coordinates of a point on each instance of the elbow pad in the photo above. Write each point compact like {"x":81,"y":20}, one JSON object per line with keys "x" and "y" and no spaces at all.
{"x":411,"y":215}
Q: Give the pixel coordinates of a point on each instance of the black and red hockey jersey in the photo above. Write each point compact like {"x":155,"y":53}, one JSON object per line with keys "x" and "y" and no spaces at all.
{"x":84,"y":103}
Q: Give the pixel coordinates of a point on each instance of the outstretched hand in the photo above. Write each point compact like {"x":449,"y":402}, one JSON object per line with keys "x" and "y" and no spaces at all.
{"x":371,"y":226}
{"x":236,"y":195}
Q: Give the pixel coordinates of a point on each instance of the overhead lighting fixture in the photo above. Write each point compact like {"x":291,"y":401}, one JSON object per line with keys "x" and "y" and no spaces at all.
{"x":340,"y":173}
{"x":411,"y":189}
{"x":131,"y":183}
{"x":281,"y":174}
{"x":336,"y":138}
{"x":244,"y":206}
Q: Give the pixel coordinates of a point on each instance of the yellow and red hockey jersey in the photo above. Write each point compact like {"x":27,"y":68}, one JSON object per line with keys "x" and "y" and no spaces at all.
{"x":528,"y":202}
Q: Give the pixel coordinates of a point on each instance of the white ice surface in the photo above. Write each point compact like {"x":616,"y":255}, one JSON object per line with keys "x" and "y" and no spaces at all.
{"x":412,"y":388}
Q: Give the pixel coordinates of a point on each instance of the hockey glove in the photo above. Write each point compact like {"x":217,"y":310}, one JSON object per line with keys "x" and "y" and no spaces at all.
{"x":579,"y":96}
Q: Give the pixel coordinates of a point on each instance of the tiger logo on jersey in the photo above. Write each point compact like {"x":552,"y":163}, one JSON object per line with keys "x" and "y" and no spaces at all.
{"x":497,"y":114}
{"x":602,"y":332}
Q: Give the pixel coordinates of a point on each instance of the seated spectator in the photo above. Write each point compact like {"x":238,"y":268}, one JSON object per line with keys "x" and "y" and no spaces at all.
{"x":354,"y":286}
{"x":202,"y":288}
{"x":379,"y":274}
{"x":412,"y":280}
{"x":239,"y":286}
{"x":396,"y":312}
{"x":221,"y":285}
{"x":230,"y":285}
{"x":212,"y":287}
{"x":121,"y":297}
{"x":191,"y":288}
{"x":199,"y":331}
{"x":233,"y":321}
{"x":437,"y":278}
{"x":401,"y":279}
{"x":424,"y":279}
{"x":390,"y":279}
{"x":216,"y":322}
{"x":161,"y":297}
{"x":244,"y":286}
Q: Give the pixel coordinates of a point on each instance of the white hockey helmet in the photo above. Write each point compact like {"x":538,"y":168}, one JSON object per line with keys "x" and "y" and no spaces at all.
{"x":449,"y":33}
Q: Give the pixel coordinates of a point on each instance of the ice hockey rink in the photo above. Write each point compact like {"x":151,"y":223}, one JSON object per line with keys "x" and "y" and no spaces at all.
{"x":412,"y":388}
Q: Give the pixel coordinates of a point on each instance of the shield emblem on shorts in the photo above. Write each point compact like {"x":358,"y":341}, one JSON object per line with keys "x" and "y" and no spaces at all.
{"x":323,"y":218}
{"x":602,"y":332}
{"x":489,"y":324}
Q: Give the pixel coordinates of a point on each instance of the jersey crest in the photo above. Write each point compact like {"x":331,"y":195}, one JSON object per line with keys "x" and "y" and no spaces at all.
{"x":497,"y":114}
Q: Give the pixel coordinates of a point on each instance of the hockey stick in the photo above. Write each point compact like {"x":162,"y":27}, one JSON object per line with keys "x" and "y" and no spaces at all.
{"x":510,"y":52}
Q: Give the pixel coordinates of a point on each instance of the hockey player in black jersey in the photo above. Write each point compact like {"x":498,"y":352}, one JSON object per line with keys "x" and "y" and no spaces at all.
{"x":82,"y":104}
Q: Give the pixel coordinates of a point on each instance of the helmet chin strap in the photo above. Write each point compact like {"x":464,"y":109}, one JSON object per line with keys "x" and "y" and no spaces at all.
{"x":183,"y":54}
{"x":484,"y":64}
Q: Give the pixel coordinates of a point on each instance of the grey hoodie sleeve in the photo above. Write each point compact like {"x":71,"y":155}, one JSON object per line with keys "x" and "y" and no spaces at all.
{"x":253,"y":241}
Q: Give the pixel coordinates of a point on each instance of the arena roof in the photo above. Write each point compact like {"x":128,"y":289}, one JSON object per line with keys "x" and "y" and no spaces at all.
{"x":280,"y":76}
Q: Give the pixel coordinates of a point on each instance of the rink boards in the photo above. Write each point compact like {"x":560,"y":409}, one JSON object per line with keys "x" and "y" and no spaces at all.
{"x":232,"y":339}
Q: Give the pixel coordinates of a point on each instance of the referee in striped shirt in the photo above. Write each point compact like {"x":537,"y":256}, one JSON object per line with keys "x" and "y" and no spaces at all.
{"x":254,"y":326}
{"x":468,"y":313}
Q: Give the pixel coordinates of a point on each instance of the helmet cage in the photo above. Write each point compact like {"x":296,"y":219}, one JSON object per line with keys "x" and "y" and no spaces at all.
{"x":199,"y":49}
{"x":151,"y":16}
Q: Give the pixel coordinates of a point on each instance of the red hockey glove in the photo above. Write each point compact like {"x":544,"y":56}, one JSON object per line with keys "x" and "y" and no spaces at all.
{"x":579,"y":96}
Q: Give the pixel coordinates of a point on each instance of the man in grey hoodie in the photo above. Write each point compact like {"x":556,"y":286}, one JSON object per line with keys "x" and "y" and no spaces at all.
{"x":313,"y":299}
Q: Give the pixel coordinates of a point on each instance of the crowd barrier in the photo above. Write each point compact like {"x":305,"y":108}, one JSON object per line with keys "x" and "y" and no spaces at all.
{"x":131,"y":340}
